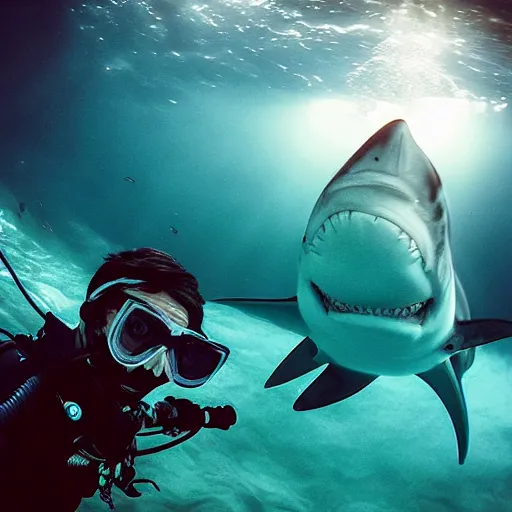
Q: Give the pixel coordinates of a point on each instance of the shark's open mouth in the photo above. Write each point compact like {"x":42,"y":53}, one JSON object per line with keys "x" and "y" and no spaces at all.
{"x":414,"y":312}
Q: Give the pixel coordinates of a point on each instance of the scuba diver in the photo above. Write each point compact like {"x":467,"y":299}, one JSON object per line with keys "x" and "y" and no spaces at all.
{"x":71,"y":405}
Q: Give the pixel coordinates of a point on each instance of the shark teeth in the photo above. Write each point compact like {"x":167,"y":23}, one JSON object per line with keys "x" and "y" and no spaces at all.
{"x":344,"y":215}
{"x":414,"y":311}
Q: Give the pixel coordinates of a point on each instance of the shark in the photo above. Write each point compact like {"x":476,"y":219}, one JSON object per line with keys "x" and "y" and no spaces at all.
{"x":377,"y":292}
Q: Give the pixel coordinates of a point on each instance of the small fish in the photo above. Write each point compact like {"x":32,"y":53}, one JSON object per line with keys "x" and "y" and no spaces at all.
{"x":128,"y":179}
{"x":173,"y":230}
{"x":21,"y":209}
{"x":47,"y":226}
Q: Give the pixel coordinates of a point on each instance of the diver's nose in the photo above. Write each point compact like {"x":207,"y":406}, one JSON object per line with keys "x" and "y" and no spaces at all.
{"x":156,"y":365}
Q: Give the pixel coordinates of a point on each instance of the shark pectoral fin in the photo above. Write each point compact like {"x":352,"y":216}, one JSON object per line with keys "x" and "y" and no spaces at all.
{"x":333,"y":385}
{"x":443,"y":380}
{"x":281,"y":312}
{"x":472,"y":333}
{"x":297,"y":363}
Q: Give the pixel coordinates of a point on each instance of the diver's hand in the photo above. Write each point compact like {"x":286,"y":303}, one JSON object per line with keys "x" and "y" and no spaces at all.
{"x":179,"y":414}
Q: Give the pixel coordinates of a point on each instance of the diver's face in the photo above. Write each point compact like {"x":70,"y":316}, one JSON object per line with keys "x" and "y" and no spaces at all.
{"x":172,"y":308}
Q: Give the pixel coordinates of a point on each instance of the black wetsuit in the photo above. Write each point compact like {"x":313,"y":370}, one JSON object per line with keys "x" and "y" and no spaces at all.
{"x":37,"y":438}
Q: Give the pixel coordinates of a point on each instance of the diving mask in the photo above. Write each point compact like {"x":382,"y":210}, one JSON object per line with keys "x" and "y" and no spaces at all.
{"x":141,"y":331}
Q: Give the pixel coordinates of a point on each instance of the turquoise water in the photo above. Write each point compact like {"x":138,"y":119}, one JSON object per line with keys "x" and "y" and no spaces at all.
{"x":229,"y":118}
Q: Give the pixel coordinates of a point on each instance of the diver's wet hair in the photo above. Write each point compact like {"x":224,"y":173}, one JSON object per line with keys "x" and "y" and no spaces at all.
{"x":161,"y":272}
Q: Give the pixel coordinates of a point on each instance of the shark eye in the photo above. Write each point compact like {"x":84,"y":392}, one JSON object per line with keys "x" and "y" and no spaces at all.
{"x":438,"y":212}
{"x":449,"y":347}
{"x":304,"y":239}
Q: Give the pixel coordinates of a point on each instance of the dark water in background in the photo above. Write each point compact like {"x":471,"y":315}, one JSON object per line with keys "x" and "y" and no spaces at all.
{"x":213,"y":111}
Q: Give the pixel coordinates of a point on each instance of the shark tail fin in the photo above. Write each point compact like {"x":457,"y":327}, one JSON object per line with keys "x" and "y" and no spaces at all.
{"x":333,"y":385}
{"x":446,"y":383}
{"x":462,"y":361}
